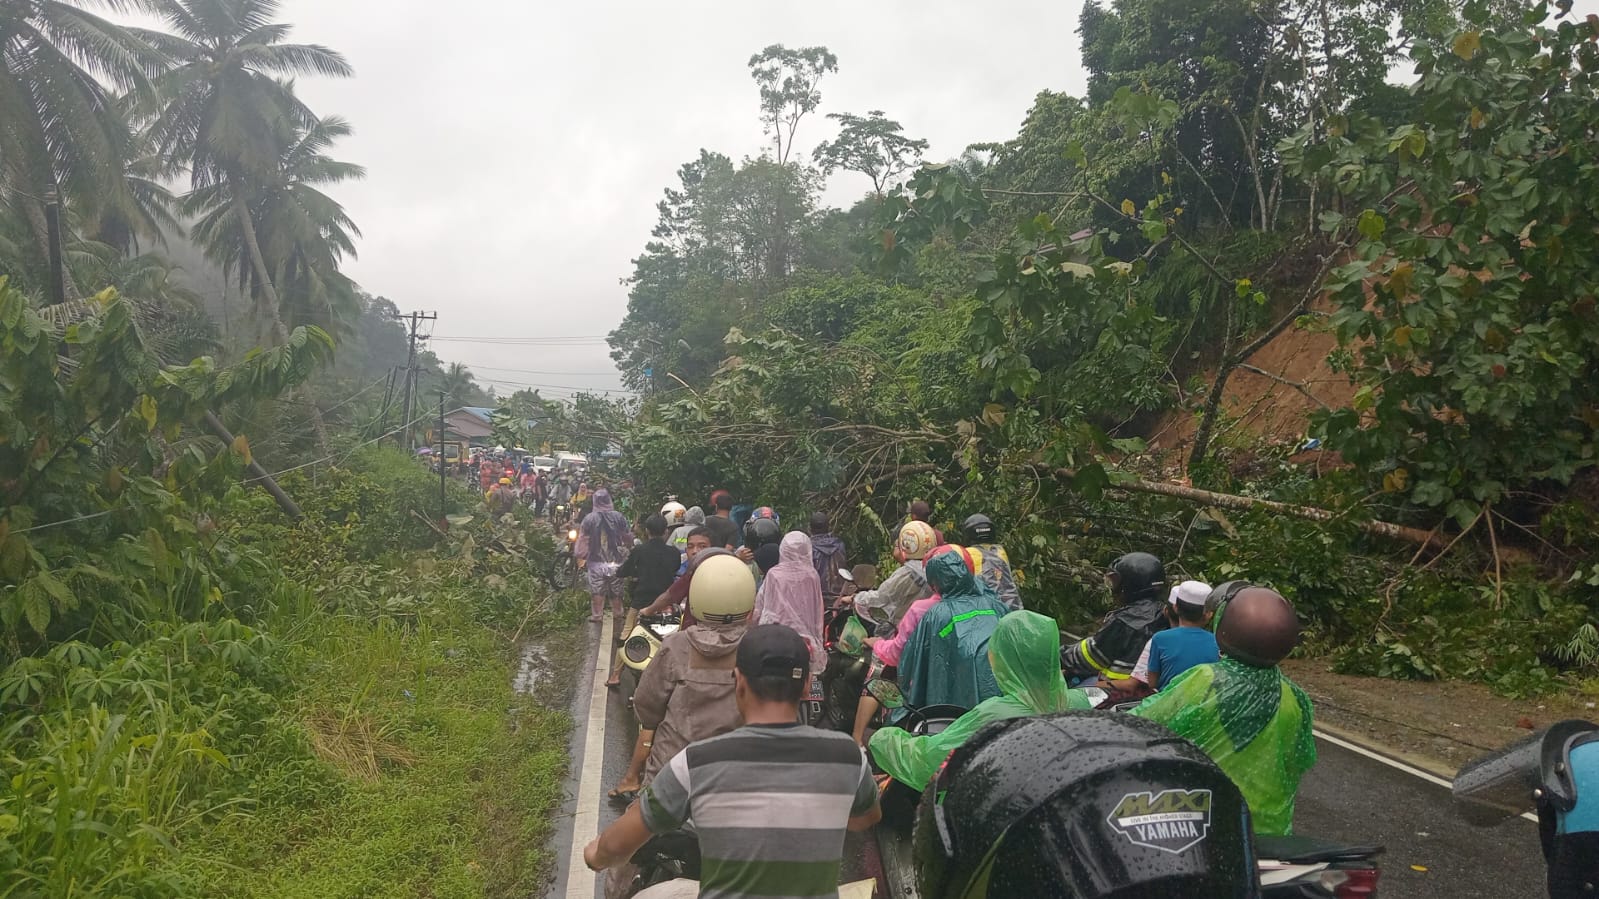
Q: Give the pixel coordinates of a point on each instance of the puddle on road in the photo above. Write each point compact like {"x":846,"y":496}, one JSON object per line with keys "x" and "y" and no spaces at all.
{"x":533,"y":667}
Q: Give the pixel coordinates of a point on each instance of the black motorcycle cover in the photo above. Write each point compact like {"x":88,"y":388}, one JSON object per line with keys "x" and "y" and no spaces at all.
{"x":1083,"y":805}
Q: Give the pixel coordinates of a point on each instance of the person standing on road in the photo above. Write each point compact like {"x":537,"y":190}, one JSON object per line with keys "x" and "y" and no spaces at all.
{"x":604,"y":539}
{"x":1243,"y":711}
{"x":770,"y":801}
{"x":724,"y":532}
{"x":921,"y":510}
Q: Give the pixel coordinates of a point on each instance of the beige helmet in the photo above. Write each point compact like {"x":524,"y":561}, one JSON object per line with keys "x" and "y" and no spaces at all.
{"x":916,"y":539}
{"x":722,"y":589}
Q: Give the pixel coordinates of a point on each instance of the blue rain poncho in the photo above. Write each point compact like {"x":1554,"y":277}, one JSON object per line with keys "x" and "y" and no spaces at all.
{"x":1026,"y":661}
{"x":945,"y":661}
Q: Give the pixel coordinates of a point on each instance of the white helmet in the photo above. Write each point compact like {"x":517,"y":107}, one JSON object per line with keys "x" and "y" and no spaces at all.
{"x":722,"y":589}
{"x":674,"y":514}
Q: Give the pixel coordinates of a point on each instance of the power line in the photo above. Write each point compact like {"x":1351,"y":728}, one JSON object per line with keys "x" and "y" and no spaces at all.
{"x":526,"y":371}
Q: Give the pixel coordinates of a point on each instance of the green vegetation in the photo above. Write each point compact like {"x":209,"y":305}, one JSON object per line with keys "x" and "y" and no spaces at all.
{"x":1016,"y":330}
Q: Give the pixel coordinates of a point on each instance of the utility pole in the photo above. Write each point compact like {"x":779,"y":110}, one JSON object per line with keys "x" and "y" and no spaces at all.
{"x":52,"y":218}
{"x":410,"y":377}
{"x":443,"y":521}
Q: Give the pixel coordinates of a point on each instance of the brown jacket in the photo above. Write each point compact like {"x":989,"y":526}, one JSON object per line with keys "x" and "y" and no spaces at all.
{"x":687,"y":692}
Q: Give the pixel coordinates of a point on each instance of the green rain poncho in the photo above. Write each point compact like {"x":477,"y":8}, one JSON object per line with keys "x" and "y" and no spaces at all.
{"x":1253,"y":722}
{"x":1025,"y":649}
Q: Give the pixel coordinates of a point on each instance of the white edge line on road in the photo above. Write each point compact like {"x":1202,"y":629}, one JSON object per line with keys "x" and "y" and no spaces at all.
{"x":1398,"y":765}
{"x":1377,"y":756}
{"x":580,"y":881}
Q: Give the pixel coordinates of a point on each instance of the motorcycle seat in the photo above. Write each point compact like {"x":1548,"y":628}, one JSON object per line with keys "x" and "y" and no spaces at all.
{"x":1303,"y":850}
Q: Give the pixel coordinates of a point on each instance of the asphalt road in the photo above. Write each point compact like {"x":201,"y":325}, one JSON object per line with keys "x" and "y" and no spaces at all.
{"x":1431,"y":853}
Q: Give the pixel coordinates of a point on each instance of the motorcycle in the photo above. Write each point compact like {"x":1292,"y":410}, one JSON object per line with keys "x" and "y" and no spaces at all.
{"x":1550,"y":773}
{"x":1290,"y":867}
{"x":639,"y":649}
{"x":564,"y":567}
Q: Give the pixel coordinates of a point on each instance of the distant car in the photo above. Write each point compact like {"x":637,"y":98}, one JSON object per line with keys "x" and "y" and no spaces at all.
{"x":543,"y":463}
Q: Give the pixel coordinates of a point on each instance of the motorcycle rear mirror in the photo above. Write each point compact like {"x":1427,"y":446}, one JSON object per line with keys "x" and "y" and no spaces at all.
{"x":886,"y":692}
{"x":846,"y":575}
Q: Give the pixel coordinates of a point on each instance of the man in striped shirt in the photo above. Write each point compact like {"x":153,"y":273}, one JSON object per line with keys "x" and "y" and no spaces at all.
{"x":770,"y":801}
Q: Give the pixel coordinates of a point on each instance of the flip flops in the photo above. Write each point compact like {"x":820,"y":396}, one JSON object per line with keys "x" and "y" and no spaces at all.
{"x":622,"y":797}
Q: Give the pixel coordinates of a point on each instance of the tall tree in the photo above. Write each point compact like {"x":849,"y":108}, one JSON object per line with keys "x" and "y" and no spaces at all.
{"x":790,"y":83}
{"x":224,"y":114}
{"x":874,"y":145}
{"x":61,"y":128}
{"x":303,"y":232}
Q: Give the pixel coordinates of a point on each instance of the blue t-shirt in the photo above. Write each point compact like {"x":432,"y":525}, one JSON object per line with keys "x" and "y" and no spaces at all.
{"x":1177,"y":649}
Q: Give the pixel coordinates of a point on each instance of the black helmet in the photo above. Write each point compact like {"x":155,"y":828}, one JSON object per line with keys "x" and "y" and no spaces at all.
{"x":1082,"y":805}
{"x":1260,"y":627}
{"x":978,"y":528}
{"x":761,"y":531}
{"x":1137,"y":576}
{"x":1220,"y":595}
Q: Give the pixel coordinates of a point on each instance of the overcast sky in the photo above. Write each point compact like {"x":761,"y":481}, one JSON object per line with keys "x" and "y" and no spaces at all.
{"x":515,"y":149}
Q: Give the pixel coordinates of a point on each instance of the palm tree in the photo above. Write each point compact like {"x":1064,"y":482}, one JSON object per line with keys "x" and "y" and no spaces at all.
{"x":302,"y":231}
{"x":225,"y":115}
{"x":61,"y":127}
{"x":458,"y":386}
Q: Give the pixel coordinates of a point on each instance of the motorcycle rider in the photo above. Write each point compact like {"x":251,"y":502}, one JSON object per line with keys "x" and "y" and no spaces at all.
{"x":978,"y":533}
{"x":1243,"y":711}
{"x":887,"y":604}
{"x":1025,"y":656}
{"x":792,"y":595}
{"x":693,"y":518}
{"x":686,"y":694}
{"x":945,"y":661}
{"x":1138,"y":581}
{"x":770,"y":802}
{"x":828,"y":556}
{"x":674,"y":513}
{"x":652,"y":568}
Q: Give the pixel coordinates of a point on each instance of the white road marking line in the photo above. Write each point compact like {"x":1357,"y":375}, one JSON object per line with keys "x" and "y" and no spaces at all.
{"x":1398,"y":765}
{"x":580,"y":881}
{"x":1377,"y":756}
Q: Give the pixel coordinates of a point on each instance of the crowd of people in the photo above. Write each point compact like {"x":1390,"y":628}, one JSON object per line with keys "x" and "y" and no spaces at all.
{"x":719,"y":702}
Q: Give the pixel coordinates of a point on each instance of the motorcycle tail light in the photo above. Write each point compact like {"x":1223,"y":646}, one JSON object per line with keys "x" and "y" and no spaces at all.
{"x":637,"y":649}
{"x":1351,"y":883}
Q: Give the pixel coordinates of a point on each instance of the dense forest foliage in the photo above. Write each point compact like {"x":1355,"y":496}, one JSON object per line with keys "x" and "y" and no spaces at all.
{"x":204,"y":691}
{"x":999,"y":332}
{"x":208,"y":691}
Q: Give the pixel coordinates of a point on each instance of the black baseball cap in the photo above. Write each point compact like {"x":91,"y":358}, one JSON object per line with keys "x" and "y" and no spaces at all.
{"x":773,"y":650}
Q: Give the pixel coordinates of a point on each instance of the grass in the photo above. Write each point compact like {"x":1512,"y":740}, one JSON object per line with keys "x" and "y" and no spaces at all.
{"x":446,"y":777}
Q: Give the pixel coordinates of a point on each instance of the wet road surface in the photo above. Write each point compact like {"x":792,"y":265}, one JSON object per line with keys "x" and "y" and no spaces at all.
{"x":1431,"y":853}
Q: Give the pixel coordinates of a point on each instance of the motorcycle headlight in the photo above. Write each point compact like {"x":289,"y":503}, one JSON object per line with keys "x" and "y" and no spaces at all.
{"x":572,"y":535}
{"x":636,"y":649}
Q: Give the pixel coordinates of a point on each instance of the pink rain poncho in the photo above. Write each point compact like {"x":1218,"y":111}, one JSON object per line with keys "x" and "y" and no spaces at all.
{"x":792,"y":595}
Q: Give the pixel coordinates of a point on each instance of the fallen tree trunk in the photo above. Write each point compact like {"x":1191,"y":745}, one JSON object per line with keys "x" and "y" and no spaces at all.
{"x":1411,"y":535}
